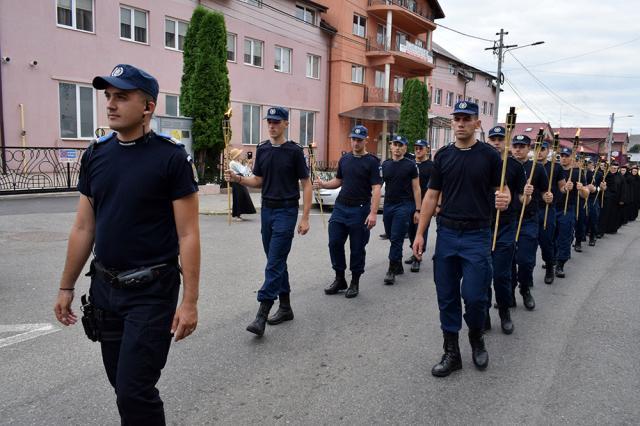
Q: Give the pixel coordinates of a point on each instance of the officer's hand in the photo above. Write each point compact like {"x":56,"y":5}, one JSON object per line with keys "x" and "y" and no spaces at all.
{"x":592,"y":188}
{"x":603,"y":185}
{"x":528,"y":190}
{"x":568,"y":186}
{"x":62,"y":308}
{"x":303,"y":226}
{"x":317,"y":184}
{"x":230,"y":176}
{"x":418,"y":246}
{"x":416,"y":217}
{"x":579,"y":185}
{"x":371,"y":220}
{"x":548,"y":197}
{"x":185,"y":320}
{"x":502,"y":200}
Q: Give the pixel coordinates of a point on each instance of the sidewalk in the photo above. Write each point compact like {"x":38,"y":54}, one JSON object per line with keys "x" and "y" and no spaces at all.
{"x":214,"y":204}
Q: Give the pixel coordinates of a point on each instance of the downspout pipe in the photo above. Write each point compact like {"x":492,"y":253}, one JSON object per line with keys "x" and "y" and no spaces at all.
{"x":3,"y":154}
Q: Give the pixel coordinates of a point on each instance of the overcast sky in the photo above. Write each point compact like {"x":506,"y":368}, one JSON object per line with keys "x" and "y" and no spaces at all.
{"x":587,"y":88}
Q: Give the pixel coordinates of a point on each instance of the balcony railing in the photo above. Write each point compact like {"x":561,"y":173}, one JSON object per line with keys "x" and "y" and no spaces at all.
{"x":376,"y":94}
{"x":410,"y":5}
{"x":375,"y":44}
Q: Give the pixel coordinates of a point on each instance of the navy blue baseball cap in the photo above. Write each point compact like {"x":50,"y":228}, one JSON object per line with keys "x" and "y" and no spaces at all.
{"x":398,"y":138}
{"x":277,"y":113}
{"x":466,"y":107}
{"x":497,"y":131}
{"x":545,"y":144}
{"x":359,"y":132}
{"x":422,"y":142}
{"x":521,"y":140}
{"x":128,"y":77}
{"x":565,"y":151}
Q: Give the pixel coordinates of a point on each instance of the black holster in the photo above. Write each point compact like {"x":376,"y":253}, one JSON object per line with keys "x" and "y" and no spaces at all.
{"x":90,"y":319}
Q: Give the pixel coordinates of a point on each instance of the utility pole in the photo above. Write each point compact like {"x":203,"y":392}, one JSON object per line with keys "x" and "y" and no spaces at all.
{"x":498,"y":49}
{"x":612,"y":119}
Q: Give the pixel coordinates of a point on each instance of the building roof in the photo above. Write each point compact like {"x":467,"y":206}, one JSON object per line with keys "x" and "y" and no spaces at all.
{"x":439,"y":50}
{"x":620,"y":137}
{"x":530,"y":129}
{"x":438,"y":13}
{"x":318,"y":6}
{"x":585,"y":132}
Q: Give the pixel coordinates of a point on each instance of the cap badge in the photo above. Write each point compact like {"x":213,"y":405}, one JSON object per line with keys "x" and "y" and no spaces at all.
{"x":520,"y":137}
{"x":462,"y":105}
{"x":357,"y":131}
{"x":117,"y":72}
{"x":497,"y":129}
{"x":272,"y":111}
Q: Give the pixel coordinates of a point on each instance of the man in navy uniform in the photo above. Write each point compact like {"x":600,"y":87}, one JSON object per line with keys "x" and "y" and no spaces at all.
{"x":423,"y":160}
{"x":467,"y":175}
{"x":355,"y":211}
{"x":502,"y":255}
{"x":278,"y":167}
{"x":536,"y":197}
{"x":592,"y":210}
{"x":401,"y":202}
{"x":138,"y":210}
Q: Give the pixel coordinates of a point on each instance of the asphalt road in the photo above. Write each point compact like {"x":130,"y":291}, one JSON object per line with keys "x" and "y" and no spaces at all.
{"x":574,"y":360}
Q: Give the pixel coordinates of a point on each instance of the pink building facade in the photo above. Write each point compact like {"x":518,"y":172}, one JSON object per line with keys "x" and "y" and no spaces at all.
{"x":52,"y":49}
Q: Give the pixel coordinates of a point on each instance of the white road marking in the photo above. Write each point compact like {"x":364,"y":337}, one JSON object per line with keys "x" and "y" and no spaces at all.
{"x":25,"y":332}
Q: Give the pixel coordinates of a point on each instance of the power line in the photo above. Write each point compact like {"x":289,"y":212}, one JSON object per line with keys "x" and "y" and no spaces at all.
{"x":585,"y":75}
{"x":464,"y":34}
{"x":545,"y":120}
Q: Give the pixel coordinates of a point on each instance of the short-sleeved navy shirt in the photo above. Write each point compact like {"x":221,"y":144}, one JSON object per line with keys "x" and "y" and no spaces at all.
{"x":280,"y":167}
{"x":358,"y":175}
{"x":540,"y":184}
{"x":558,"y":175}
{"x":397,"y":176}
{"x":424,"y":172}
{"x":133,"y":188}
{"x":515,"y":179}
{"x":573,"y":193}
{"x":596,"y":182}
{"x":467,"y":179}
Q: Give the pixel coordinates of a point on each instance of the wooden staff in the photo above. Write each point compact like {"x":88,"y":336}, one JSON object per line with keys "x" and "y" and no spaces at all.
{"x":556,"y":145}
{"x":510,"y":124}
{"x":593,"y":179}
{"x":226,"y":132}
{"x":580,"y":168}
{"x":576,"y":142}
{"x":313,"y":169}
{"x":606,"y":172}
{"x":536,"y":151}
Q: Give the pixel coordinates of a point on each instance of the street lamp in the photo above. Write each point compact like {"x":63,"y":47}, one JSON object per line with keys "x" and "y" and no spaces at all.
{"x":612,"y":119}
{"x":501,"y":51}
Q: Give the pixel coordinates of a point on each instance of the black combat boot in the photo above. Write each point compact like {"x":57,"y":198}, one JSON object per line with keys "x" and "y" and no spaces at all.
{"x":505,"y":320}
{"x":479,"y":354}
{"x":284,"y":312}
{"x":353,"y":289}
{"x":549,"y":273}
{"x":399,"y":269}
{"x":415,"y":266}
{"x":578,"y":246}
{"x":487,"y":322}
{"x":592,"y":240}
{"x":560,"y":270}
{"x":258,"y":325}
{"x":527,"y":299}
{"x":390,"y":277}
{"x":338,"y":284}
{"x":451,"y":360}
{"x":410,"y":260}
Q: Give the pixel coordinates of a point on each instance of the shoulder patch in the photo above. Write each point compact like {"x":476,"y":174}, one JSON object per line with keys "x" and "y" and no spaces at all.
{"x":193,"y":168}
{"x":170,"y":139}
{"x":262,"y":143}
{"x":105,"y":137}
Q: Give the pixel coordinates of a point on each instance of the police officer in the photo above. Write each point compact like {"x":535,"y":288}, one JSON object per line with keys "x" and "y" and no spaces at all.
{"x":401,"y":202}
{"x":594,"y":179}
{"x":467,"y":174}
{"x":355,"y":210}
{"x":423,"y":153}
{"x":536,"y":196}
{"x":502,"y":255}
{"x":581,"y":221}
{"x":279,"y":165}
{"x":138,"y":210}
{"x":546,"y":235}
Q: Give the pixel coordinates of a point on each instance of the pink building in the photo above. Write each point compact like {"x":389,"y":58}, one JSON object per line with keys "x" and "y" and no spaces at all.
{"x":52,"y":49}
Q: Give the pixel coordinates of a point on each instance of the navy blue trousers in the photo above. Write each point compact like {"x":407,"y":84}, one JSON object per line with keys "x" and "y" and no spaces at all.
{"x":135,"y":344}
{"x":546,"y":237}
{"x":593,"y":217}
{"x":349,"y":222}
{"x":581,"y":223}
{"x":413,"y":229}
{"x":525,"y":259}
{"x":462,"y":268}
{"x":565,"y":224}
{"x":501,"y":258}
{"x":396,"y":218}
{"x":278,"y":228}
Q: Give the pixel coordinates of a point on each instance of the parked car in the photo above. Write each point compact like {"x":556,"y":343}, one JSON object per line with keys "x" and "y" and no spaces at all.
{"x":329,"y":197}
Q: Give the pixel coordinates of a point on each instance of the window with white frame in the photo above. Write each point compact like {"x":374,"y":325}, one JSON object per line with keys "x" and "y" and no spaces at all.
{"x":231,"y":47}
{"x":250,"y":124}
{"x":357,"y":74}
{"x":491,"y":109}
{"x":76,"y":14}
{"x":77,"y":111}
{"x":381,"y":35}
{"x":447,"y":135}
{"x":133,"y":24}
{"x":379,"y":76}
{"x":398,"y":84}
{"x":282,"y":60}
{"x":174,"y":33}
{"x":449,"y":99}
{"x":437,"y":97}
{"x":359,"y":25}
{"x":484,"y":107}
{"x":313,"y":66}
{"x":306,"y":14}
{"x":172,"y":105}
{"x":489,"y":82}
{"x":401,"y":39}
{"x":452,"y":68}
{"x":253,"y":2}
{"x":419,"y":43}
{"x":307,"y":121}
{"x":253,"y":52}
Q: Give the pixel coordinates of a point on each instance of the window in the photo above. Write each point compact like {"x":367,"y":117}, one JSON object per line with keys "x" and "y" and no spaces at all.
{"x":77,"y":111}
{"x":484,"y":107}
{"x":313,"y":66}
{"x":452,"y":68}
{"x":282,"y":62}
{"x":306,"y":14}
{"x":398,"y":84}
{"x":76,"y":14}
{"x":357,"y":74}
{"x":133,"y":19}
{"x":307,"y":119}
{"x":469,"y":99}
{"x":359,"y":25}
{"x":172,"y":105}
{"x":476,"y":101}
{"x":459,"y":97}
{"x":447,"y":135}
{"x":253,"y":2}
{"x":419,"y":43}
{"x":250,"y":124}
{"x":437,"y":98}
{"x":174,"y":32}
{"x":231,"y":47}
{"x":491,"y":109}
{"x":379,"y":79}
{"x":253,"y":52}
{"x":381,"y":35}
{"x":401,"y":39}
{"x":449,"y":99}
{"x":489,"y":82}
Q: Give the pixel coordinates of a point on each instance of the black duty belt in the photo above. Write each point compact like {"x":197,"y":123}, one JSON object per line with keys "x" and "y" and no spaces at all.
{"x":131,"y":278}
{"x":352,"y":202}
{"x":279,"y":204}
{"x":462,"y":224}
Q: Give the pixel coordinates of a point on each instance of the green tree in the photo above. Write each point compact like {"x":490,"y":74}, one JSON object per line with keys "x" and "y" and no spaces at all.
{"x":189,"y":59}
{"x":414,"y":111}
{"x":635,"y":149}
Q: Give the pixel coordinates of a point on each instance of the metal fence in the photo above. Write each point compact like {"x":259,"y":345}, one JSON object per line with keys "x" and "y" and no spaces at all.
{"x":30,"y":170}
